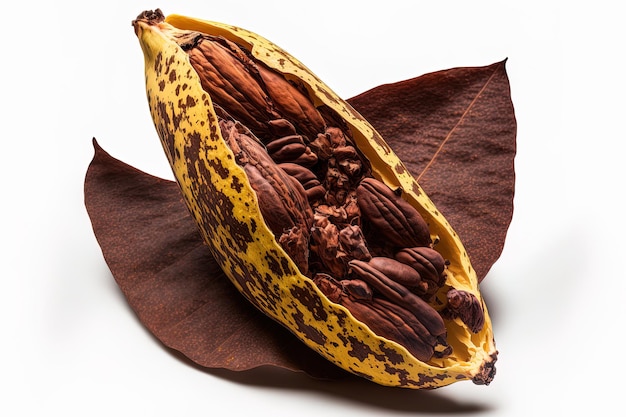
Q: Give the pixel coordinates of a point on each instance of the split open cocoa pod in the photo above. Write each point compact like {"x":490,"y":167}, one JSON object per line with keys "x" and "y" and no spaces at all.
{"x":305,"y":207}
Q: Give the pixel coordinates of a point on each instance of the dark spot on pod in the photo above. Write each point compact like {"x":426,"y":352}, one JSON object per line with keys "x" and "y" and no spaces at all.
{"x":311,"y":333}
{"x":311,"y":300}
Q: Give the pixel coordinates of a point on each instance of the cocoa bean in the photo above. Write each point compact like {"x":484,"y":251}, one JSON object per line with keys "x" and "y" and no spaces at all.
{"x":391,"y":324}
{"x":284,"y":205}
{"x":383,"y":318}
{"x":357,"y":289}
{"x":466,"y":307}
{"x":291,"y":102}
{"x":401,"y":273}
{"x":276,"y":147}
{"x":400,"y":295}
{"x":281,"y":127}
{"x":231,"y":80}
{"x":325,"y":244}
{"x":302,"y":174}
{"x":428,"y":263}
{"x":353,"y":243}
{"x":390,"y":216}
{"x":315,"y":193}
{"x":308,"y":158}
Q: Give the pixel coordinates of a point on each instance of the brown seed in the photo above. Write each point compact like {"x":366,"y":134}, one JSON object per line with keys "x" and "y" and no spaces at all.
{"x":428,"y":263}
{"x":325,"y":244}
{"x":353,"y":243}
{"x":308,"y":158}
{"x":302,"y":174}
{"x":357,"y":289}
{"x":284,"y":206}
{"x":281,"y":127}
{"x":229,"y":77}
{"x":390,"y":216}
{"x":400,"y":273}
{"x":276,"y":147}
{"x":382,"y":317}
{"x":291,"y":102}
{"x":400,"y":295}
{"x":466,"y":307}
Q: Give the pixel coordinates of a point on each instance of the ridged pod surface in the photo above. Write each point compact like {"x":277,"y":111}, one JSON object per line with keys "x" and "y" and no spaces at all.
{"x":226,"y":209}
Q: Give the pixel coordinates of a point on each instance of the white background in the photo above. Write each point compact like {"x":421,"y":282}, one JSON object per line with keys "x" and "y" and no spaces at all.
{"x":71,"y":71}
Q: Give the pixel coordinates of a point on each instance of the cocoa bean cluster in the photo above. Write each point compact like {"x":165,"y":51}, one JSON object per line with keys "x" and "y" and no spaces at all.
{"x":363,"y":245}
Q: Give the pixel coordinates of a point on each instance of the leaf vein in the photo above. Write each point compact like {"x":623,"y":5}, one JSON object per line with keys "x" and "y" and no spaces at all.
{"x":458,"y":123}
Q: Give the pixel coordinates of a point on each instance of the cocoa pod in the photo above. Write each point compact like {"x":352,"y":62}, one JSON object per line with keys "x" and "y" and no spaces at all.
{"x":391,"y":216}
{"x":218,"y":96}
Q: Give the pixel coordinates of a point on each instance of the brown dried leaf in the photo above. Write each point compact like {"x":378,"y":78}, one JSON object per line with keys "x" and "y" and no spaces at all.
{"x":454,"y":129}
{"x":456,"y":132}
{"x":155,"y":253}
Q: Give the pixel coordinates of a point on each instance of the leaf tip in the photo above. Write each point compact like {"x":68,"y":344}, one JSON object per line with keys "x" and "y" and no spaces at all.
{"x":95,"y":144}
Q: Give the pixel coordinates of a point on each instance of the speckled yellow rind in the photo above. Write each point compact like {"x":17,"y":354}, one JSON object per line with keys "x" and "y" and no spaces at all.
{"x":225,"y":208}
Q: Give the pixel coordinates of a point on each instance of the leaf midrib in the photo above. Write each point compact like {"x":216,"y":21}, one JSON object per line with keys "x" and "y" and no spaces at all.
{"x":458,"y":123}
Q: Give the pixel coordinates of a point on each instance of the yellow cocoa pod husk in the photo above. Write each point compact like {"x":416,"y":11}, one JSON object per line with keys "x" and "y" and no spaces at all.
{"x":226,"y":210}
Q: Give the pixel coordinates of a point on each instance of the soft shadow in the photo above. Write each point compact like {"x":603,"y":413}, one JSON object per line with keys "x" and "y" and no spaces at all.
{"x":349,"y":388}
{"x":492,"y":300}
